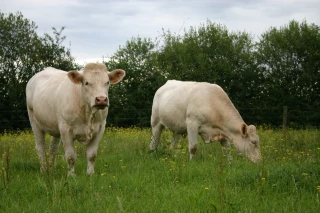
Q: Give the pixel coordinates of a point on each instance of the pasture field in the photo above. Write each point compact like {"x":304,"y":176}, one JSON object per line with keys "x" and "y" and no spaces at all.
{"x":129,"y":178}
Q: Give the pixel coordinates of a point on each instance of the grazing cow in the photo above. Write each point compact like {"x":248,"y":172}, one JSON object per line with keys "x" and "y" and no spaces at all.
{"x":201,"y":108}
{"x":70,"y":106}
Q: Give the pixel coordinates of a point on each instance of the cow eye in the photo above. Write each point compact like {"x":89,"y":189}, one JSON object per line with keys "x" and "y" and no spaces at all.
{"x":254,"y":142}
{"x":87,"y":83}
{"x":107,"y":83}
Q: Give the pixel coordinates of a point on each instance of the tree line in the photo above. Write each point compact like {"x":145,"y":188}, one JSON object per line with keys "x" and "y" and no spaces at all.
{"x":281,"y":69}
{"x":22,"y":54}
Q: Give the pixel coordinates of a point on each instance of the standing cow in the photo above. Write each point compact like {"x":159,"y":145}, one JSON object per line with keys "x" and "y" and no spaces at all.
{"x":201,"y":108}
{"x":70,"y":106}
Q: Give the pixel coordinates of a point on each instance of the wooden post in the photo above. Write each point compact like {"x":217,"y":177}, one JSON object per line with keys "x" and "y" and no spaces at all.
{"x":285,"y":117}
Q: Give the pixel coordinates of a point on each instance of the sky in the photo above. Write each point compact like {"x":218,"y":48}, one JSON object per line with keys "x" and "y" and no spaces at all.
{"x":95,"y":29}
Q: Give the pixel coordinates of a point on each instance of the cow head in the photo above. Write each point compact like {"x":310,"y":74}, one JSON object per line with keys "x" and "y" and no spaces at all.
{"x":95,"y":81}
{"x":248,"y":143}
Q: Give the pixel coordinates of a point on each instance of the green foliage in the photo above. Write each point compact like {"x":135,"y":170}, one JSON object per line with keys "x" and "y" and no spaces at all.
{"x":132,"y":98}
{"x":131,"y":179}
{"x":22,"y":54}
{"x":209,"y":53}
{"x":289,"y":60}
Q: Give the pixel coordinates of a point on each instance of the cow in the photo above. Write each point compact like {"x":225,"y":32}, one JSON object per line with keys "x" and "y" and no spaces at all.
{"x":200,"y":108}
{"x":70,"y":106}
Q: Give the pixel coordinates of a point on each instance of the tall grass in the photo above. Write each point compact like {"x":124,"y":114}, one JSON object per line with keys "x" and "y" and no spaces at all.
{"x":131,"y":179}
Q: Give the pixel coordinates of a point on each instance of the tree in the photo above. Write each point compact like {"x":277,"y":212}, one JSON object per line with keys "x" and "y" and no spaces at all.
{"x":288,"y":58}
{"x":22,"y":54}
{"x":131,"y":99}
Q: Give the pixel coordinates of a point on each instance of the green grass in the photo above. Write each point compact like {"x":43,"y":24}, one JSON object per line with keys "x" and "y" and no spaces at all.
{"x":131,"y":179}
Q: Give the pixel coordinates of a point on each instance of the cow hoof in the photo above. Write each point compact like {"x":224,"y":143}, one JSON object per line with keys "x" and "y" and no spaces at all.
{"x":151,"y":151}
{"x":89,"y":173}
{"x":71,"y":174}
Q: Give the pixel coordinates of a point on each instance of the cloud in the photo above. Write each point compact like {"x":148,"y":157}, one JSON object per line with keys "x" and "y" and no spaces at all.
{"x":96,"y":28}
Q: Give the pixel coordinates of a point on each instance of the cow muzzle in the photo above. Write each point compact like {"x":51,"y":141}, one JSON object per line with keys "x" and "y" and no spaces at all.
{"x":101,"y":102}
{"x":255,"y":159}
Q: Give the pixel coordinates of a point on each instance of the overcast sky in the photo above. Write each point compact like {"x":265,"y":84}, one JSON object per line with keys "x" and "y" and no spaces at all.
{"x":96,"y":28}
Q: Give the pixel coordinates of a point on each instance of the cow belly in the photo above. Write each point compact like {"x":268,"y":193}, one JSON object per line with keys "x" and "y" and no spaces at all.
{"x":49,"y":129}
{"x":47,"y":124}
{"x":177,"y":127}
{"x":175,"y":123}
{"x":83,"y":133}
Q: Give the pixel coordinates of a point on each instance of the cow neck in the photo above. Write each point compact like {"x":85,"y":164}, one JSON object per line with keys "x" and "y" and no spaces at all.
{"x":230,"y":120}
{"x":232,"y":128}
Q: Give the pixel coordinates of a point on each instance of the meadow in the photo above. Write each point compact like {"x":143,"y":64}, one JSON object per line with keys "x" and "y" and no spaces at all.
{"x":129,"y":178}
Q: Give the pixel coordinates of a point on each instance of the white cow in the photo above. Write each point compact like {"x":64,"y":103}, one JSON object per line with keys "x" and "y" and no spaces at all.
{"x":201,"y":108}
{"x":70,"y":106}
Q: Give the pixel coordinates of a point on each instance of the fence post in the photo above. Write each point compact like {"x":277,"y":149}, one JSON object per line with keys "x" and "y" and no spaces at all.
{"x":285,"y":117}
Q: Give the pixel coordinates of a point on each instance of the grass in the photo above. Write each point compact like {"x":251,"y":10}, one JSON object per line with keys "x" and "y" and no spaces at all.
{"x":131,"y":179}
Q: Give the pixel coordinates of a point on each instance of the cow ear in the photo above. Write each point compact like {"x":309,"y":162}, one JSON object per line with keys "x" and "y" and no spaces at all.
{"x":244,"y":130}
{"x":116,"y":76}
{"x":75,"y":77}
{"x":252,"y":128}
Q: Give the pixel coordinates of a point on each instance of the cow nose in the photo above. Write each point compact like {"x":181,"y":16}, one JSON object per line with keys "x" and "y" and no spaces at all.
{"x":101,"y":100}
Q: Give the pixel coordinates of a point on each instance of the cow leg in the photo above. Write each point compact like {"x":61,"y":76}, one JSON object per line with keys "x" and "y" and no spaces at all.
{"x":175,"y":139}
{"x":92,"y":150}
{"x":226,"y":148}
{"x":53,"y":150}
{"x":225,"y":143}
{"x":156,"y":133}
{"x":40,"y":142}
{"x":69,"y":150}
{"x":41,"y":148}
{"x":192,"y":128}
